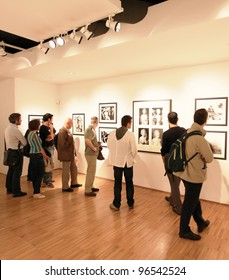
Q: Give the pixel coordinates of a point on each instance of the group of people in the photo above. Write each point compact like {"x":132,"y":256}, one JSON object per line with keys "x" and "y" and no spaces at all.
{"x":122,"y":156}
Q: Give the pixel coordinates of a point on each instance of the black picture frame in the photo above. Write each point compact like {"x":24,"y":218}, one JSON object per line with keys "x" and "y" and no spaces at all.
{"x":108,"y":112}
{"x":103,"y":135}
{"x":218,"y":141}
{"x":217,"y":108}
{"x":78,"y":126}
{"x":149,"y":123}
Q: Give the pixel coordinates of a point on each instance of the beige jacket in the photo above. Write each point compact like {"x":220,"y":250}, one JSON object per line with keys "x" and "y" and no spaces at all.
{"x":196,"y":170}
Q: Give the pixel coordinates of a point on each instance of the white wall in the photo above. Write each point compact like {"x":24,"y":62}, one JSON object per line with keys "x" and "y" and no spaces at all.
{"x":181,"y":85}
{"x":6,"y":108}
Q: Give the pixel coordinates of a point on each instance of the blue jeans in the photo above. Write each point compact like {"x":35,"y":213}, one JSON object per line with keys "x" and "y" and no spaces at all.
{"x":128,"y":174}
{"x":13,"y":176}
{"x":191,"y":206}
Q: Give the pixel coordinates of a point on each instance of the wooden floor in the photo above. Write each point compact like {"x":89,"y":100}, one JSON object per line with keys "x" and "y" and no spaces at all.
{"x":66,"y":226}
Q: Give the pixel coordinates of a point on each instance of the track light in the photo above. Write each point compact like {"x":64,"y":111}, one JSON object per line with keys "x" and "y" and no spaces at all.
{"x":42,"y":48}
{"x":88,"y":34}
{"x":52,"y":43}
{"x":76,"y":37}
{"x":114,"y":25}
{"x":2,"y":49}
{"x":61,"y":40}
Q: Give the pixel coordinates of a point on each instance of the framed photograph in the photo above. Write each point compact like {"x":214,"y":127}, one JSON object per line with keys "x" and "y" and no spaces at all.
{"x":218,"y":141}
{"x":33,"y":117}
{"x":103,"y":134}
{"x":108,"y":112}
{"x":216,"y":107}
{"x":149,"y":123}
{"x":78,"y":126}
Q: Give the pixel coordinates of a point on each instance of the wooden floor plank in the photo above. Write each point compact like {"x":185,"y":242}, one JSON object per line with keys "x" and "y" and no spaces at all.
{"x":67,"y":226}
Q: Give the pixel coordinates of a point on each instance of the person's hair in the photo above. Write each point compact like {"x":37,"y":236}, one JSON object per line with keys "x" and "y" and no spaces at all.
{"x":201,"y":116}
{"x":94,"y":120}
{"x":173,"y":117}
{"x":34,"y":124}
{"x":125,"y":120}
{"x":47,"y":116}
{"x":14,"y":117}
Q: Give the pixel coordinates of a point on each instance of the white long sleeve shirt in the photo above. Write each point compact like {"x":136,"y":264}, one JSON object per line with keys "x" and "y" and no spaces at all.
{"x":13,"y":136}
{"x":123,"y":151}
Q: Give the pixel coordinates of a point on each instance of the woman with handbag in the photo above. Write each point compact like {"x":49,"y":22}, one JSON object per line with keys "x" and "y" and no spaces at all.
{"x":37,"y":156}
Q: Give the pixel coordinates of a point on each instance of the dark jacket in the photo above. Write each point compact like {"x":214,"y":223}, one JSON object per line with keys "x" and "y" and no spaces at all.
{"x":65,"y":146}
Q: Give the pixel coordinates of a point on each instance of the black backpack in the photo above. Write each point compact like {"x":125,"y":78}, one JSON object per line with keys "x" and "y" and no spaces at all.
{"x":176,"y":160}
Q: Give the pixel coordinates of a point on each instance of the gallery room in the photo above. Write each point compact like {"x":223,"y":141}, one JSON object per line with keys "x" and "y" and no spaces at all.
{"x":167,"y":56}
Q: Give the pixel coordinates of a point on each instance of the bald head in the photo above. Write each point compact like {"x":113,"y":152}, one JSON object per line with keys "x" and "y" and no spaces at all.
{"x":68,"y":123}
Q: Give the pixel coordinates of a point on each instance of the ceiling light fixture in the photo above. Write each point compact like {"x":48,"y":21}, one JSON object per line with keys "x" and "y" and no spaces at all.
{"x":76,"y":37}
{"x":84,"y":30}
{"x":42,"y":48}
{"x":2,"y":49}
{"x":112,"y":24}
{"x":61,"y":40}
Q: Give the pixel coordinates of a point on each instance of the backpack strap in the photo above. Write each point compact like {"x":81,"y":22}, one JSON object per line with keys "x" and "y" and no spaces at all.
{"x":195,"y":132}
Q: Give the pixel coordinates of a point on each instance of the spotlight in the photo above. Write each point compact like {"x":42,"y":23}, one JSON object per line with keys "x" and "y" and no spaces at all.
{"x":2,"y":50}
{"x":42,"y":48}
{"x":52,"y":44}
{"x":76,"y":37}
{"x":61,"y":40}
{"x":88,"y":34}
{"x":114,"y":25}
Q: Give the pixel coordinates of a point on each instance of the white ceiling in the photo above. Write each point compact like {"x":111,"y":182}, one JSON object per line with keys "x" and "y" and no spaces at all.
{"x":173,"y":34}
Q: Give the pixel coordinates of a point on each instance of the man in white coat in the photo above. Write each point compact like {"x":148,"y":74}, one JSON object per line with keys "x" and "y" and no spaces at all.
{"x":122,"y":153}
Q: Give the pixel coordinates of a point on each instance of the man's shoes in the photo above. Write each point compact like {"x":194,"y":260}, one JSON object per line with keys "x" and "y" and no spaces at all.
{"x":131,"y":206}
{"x":53,"y":181}
{"x":8,"y":191}
{"x":95,"y":189}
{"x":19,"y":194}
{"x":203,"y":226}
{"x":67,"y":190}
{"x":167,"y":198}
{"x":190,"y":235}
{"x":90,"y":194}
{"x":176,"y":211}
{"x":50,"y":185}
{"x":76,"y":185}
{"x":114,"y":207}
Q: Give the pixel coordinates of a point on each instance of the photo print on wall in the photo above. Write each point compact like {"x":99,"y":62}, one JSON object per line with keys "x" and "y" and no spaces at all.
{"x":78,"y":124}
{"x":108,"y":112}
{"x":149,"y":123}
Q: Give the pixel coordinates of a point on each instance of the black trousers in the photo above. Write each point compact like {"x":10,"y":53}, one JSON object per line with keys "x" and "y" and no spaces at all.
{"x":37,"y":171}
{"x":128,"y":174}
{"x":13,"y":176}
{"x":191,"y":206}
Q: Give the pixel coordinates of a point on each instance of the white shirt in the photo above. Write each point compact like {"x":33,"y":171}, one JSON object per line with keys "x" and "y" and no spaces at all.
{"x":12,"y":136}
{"x":122,"y":152}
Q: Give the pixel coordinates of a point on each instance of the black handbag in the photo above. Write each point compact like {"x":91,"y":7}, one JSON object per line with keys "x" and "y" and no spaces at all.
{"x":10,"y":156}
{"x":100,"y":155}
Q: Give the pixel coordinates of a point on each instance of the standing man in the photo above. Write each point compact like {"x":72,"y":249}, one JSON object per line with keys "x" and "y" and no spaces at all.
{"x":122,"y":153}
{"x":91,"y":153}
{"x":193,"y":177}
{"x":168,"y":138}
{"x":15,"y":140}
{"x":67,"y":155}
{"x":47,"y":132}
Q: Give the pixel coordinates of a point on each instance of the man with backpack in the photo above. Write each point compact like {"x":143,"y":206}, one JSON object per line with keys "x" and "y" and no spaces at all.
{"x":193,"y":176}
{"x":168,"y":138}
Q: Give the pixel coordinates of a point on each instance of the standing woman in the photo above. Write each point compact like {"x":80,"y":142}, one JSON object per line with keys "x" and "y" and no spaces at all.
{"x":37,"y":155}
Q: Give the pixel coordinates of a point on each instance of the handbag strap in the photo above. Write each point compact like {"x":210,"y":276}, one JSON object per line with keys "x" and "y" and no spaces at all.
{"x":5,"y":143}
